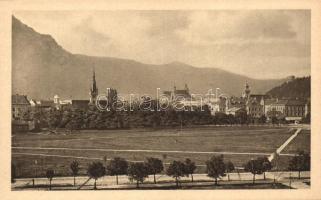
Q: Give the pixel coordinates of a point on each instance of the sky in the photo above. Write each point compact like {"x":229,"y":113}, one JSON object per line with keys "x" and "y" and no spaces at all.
{"x":260,"y":44}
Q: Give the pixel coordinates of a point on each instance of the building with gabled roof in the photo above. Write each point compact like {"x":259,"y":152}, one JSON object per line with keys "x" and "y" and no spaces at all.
{"x":178,"y":95}
{"x":295,"y":108}
{"x":275,"y":105}
{"x":20,"y":105}
{"x":255,"y":107}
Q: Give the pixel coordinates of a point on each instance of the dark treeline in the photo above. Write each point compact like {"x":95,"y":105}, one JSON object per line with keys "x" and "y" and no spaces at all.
{"x":91,"y":118}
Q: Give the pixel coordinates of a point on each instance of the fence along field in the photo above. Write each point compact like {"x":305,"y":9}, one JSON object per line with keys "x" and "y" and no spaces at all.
{"x":238,"y":144}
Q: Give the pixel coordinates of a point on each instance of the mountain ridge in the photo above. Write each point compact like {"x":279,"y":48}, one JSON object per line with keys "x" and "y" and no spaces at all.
{"x":43,"y":68}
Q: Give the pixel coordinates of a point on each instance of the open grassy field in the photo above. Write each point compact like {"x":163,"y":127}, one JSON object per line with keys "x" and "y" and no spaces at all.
{"x":56,"y":151}
{"x":301,"y":142}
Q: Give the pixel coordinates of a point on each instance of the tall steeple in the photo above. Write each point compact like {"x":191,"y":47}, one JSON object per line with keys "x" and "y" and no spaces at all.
{"x":93,"y":90}
{"x":94,"y":87}
{"x":186,"y":88}
{"x":247,"y":91}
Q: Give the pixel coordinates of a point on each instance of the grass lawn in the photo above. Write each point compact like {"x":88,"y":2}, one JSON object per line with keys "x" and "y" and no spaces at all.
{"x":201,"y":139}
{"x":301,"y":142}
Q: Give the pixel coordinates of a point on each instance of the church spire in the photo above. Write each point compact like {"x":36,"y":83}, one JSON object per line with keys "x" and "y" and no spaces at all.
{"x":93,"y":90}
{"x":247,"y":91}
{"x":94,"y":87}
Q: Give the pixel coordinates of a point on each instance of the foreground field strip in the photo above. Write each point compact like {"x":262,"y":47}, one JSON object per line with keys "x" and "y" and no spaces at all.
{"x":178,"y":134}
{"x":148,"y":151}
{"x":15,"y":145}
{"x":172,"y":136}
{"x":184,"y":133}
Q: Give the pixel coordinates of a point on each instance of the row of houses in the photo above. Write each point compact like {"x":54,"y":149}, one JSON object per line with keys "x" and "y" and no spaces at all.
{"x":22,"y":107}
{"x":257,"y":105}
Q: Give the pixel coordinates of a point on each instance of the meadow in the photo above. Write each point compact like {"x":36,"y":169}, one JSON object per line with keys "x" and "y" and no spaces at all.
{"x":34,"y":153}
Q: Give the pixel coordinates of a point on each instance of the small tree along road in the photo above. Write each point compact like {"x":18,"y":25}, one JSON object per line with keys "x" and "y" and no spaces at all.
{"x":154,"y":166}
{"x":229,"y":168}
{"x":50,"y":174}
{"x":95,"y":171}
{"x":176,"y":170}
{"x":258,"y":166}
{"x":74,"y":166}
{"x":13,"y":173}
{"x":137,"y":172}
{"x":117,"y":166}
{"x":189,"y":168}
{"x":266,"y":165}
{"x":300,"y":162}
{"x":215,"y":167}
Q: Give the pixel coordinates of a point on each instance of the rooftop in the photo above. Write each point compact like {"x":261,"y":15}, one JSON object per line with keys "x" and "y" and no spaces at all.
{"x":45,"y":103}
{"x":20,"y":100}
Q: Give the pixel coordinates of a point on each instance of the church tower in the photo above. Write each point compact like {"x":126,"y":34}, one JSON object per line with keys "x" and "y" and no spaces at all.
{"x":93,"y":90}
{"x":186,"y":88}
{"x":57,"y":102}
{"x":247,"y":91}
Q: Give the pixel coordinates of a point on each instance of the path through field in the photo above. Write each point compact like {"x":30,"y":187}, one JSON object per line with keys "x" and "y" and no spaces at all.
{"x":286,"y":143}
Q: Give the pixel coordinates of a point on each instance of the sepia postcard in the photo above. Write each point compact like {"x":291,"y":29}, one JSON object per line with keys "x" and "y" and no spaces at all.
{"x":160,"y":100}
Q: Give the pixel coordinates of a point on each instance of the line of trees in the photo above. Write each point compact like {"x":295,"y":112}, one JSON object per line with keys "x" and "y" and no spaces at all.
{"x":74,"y":119}
{"x":216,"y":168}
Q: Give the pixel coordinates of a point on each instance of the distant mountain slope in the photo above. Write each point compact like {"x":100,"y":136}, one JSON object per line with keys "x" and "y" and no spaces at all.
{"x":42,"y":68}
{"x":298,"y":87}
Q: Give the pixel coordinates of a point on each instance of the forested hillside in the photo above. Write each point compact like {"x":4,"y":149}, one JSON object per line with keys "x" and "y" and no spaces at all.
{"x":295,"y":88}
